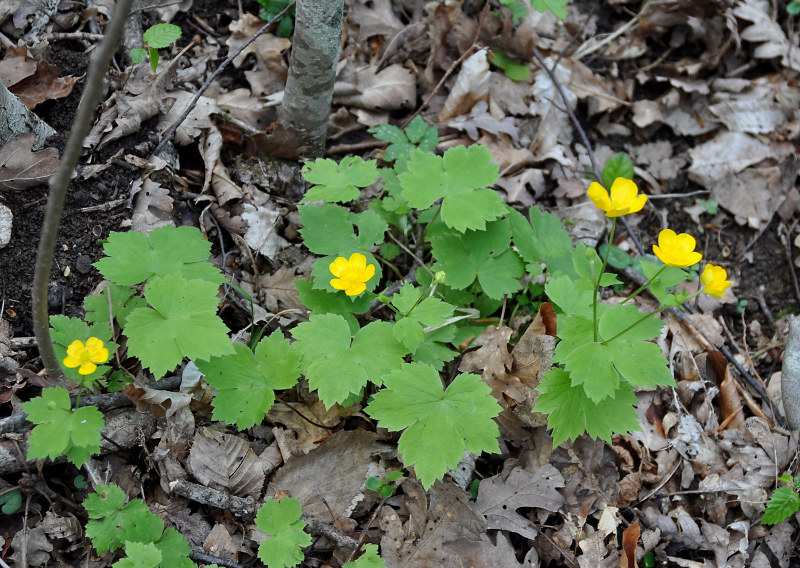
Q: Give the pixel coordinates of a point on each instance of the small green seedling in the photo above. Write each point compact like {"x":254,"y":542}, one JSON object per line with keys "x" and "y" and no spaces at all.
{"x":10,"y":502}
{"x":784,"y":502}
{"x":793,"y":7}
{"x":155,"y":38}
{"x":711,"y":207}
{"x":385,"y":487}
{"x":271,"y":8}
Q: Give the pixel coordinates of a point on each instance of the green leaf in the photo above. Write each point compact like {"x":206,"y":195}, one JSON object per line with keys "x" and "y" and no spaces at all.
{"x":123,"y":301}
{"x":246,"y":382}
{"x":430,"y":311}
{"x":590,"y":365}
{"x":435,"y":350}
{"x":543,"y":239}
{"x":784,"y":503}
{"x":11,"y":502}
{"x":154,"y":57}
{"x":338,"y":182}
{"x":160,"y":36}
{"x":793,"y":8}
{"x":512,"y":69}
{"x":337,"y":302}
{"x":574,"y":331}
{"x":337,"y":367}
{"x":460,"y":179}
{"x":418,"y":135}
{"x":573,"y":297}
{"x":616,"y":319}
{"x":369,"y":559}
{"x":571,"y":413}
{"x":281,"y":520}
{"x":438,"y":424}
{"x":134,"y":257}
{"x":65,"y":330}
{"x":617,"y":258}
{"x":60,"y":430}
{"x":557,"y":7}
{"x":641,"y":363}
{"x":517,"y":9}
{"x":484,"y":255}
{"x":182,"y":322}
{"x":329,"y":230}
{"x":112,"y":523}
{"x":619,"y":166}
{"x":408,"y":332}
{"x":139,"y":555}
{"x":174,"y":549}
{"x":138,"y":54}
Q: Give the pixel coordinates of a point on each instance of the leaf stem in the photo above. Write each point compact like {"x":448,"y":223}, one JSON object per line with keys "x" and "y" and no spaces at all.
{"x":385,"y":301}
{"x":645,"y":285}
{"x":600,"y":276}
{"x":660,"y":309}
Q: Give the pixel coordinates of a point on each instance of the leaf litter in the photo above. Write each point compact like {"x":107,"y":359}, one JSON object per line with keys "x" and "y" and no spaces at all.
{"x":695,"y":479}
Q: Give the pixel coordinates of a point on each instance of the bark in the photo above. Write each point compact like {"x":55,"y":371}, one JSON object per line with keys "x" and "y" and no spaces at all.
{"x":15,"y":119}
{"x":790,"y":374}
{"x":302,"y":124}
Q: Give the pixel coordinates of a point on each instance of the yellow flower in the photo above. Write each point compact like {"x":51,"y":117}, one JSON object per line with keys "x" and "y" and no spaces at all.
{"x":676,"y":250}
{"x":351,"y":275}
{"x":713,"y":279}
{"x":623,"y":200}
{"x":86,"y":356}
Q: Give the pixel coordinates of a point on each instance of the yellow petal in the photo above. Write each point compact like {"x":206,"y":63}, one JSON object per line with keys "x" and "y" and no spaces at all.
{"x":338,"y":266}
{"x":338,"y":284}
{"x":357,"y":261}
{"x":637,"y":204}
{"x":599,"y":196}
{"x":87,"y":369}
{"x":356,"y":289}
{"x":623,"y":191}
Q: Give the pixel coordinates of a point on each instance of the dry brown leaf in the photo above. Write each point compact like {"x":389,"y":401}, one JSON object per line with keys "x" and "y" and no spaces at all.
{"x":392,"y":88}
{"x":16,"y":66}
{"x":767,"y":33}
{"x":730,"y":403}
{"x":727,"y":153}
{"x":471,"y":86}
{"x":330,"y":479}
{"x":630,"y":536}
{"x":21,"y":168}
{"x":377,"y":19}
{"x":479,"y":118}
{"x":523,"y":188}
{"x":225,"y":462}
{"x":152,"y":206}
{"x":501,"y":495}
{"x":305,"y":436}
{"x":262,"y":231}
{"x":279,"y":291}
{"x":269,"y":75}
{"x":219,"y":543}
{"x":492,"y":360}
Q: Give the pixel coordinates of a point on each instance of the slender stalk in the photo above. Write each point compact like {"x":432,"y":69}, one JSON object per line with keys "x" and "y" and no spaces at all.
{"x":645,"y":285}
{"x":645,"y":316}
{"x":60,"y":182}
{"x":600,"y":276}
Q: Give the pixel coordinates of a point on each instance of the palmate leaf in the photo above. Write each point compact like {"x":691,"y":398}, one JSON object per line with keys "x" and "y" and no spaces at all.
{"x":246,"y":381}
{"x":438,"y":425}
{"x":281,"y":520}
{"x":369,"y":559}
{"x":557,"y":7}
{"x":338,"y":182}
{"x":181,"y":322}
{"x":571,"y":412}
{"x":134,"y":257}
{"x":484,"y":255}
{"x":619,"y":165}
{"x":337,"y":367}
{"x":123,"y":301}
{"x":61,"y":431}
{"x":460,"y":178}
{"x":429,"y":311}
{"x":139,"y":555}
{"x":112,"y":523}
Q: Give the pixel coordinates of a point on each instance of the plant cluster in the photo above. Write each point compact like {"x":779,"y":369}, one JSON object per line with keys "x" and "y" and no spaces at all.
{"x":154,"y":38}
{"x":444,"y":248}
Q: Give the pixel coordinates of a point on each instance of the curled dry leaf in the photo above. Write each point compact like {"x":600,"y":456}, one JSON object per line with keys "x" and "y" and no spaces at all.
{"x":21,"y":168}
{"x":226,"y":462}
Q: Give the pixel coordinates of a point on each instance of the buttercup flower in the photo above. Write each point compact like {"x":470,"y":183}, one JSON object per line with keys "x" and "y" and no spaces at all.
{"x":676,"y":250}
{"x":86,"y":357}
{"x":623,"y":199}
{"x":351,"y":275}
{"x":713,"y":280}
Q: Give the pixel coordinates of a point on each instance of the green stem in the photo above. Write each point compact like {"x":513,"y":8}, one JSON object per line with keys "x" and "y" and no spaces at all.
{"x":645,"y":285}
{"x":644,"y":317}
{"x":386,"y":302}
{"x":600,"y":276}
{"x":425,"y":230}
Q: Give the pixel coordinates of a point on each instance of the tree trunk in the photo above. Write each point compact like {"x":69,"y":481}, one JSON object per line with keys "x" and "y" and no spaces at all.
{"x":302,"y":123}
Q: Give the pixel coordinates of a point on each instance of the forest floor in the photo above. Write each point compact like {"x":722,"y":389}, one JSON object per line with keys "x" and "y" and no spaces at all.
{"x":703,"y":95}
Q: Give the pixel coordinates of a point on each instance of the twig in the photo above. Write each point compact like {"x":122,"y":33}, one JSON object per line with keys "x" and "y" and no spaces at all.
{"x":557,"y":84}
{"x":60,"y":182}
{"x":264,"y":29}
{"x":201,"y":556}
{"x":73,"y":35}
{"x":107,"y":206}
